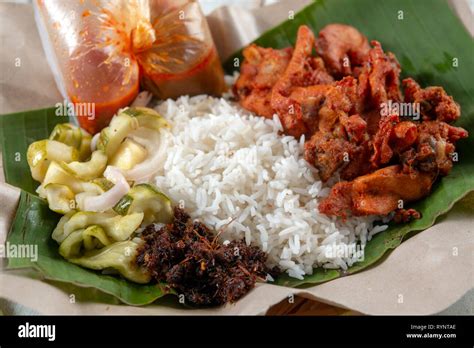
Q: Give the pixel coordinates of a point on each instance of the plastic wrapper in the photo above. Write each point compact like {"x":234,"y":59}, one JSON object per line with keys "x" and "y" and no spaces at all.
{"x":101,"y":50}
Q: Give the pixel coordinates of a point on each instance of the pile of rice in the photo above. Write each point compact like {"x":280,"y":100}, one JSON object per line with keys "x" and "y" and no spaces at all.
{"x":238,"y":174}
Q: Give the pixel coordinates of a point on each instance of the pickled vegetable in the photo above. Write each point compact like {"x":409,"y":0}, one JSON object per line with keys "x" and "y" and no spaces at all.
{"x":118,"y":228}
{"x":95,"y":238}
{"x":107,"y":200}
{"x":76,"y":137}
{"x":60,"y":197}
{"x":68,"y":134}
{"x":80,"y":241}
{"x":118,"y":256}
{"x":71,"y":246}
{"x":85,"y":148}
{"x":146,"y":199}
{"x":155,"y":143}
{"x":128,"y":155}
{"x":58,"y":233}
{"x":60,"y":174}
{"x":41,"y":153}
{"x":147,"y":117}
{"x":103,"y":184}
{"x":89,"y":170}
{"x":112,"y":136}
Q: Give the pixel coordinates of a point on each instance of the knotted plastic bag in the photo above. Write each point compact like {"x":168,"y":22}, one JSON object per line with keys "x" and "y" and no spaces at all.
{"x":100,"y":52}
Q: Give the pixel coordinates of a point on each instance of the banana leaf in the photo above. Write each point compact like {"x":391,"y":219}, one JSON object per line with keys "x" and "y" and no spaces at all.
{"x":425,"y":41}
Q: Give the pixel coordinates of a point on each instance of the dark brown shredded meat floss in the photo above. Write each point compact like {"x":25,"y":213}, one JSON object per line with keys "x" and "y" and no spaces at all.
{"x":188,"y":257}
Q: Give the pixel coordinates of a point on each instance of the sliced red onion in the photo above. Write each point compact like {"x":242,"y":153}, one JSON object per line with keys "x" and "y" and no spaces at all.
{"x":94,"y":141}
{"x":108,"y":199}
{"x":156,"y":144}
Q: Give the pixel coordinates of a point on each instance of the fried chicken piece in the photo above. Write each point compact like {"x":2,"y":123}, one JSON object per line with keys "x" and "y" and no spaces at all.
{"x":344,"y":127}
{"x":303,"y":70}
{"x":393,"y":137}
{"x":435,"y":103}
{"x":339,"y":201}
{"x":425,"y":151}
{"x":372,"y":117}
{"x":341,"y":141}
{"x":327,"y":153}
{"x":355,"y":127}
{"x":359,"y":162}
{"x":338,"y":139}
{"x":377,"y":193}
{"x":346,"y":149}
{"x":260,"y":70}
{"x":319,"y":75}
{"x":379,"y":78}
{"x":435,"y":148}
{"x":441,"y":130}
{"x":381,"y":191}
{"x":309,"y":100}
{"x":341,"y":100}
{"x":342,"y":48}
{"x":322,"y":106}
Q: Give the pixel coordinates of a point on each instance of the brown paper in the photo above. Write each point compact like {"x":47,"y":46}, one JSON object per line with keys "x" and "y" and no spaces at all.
{"x":425,"y":275}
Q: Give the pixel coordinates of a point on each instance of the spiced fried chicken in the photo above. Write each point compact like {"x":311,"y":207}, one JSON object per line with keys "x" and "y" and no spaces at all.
{"x":338,"y":100}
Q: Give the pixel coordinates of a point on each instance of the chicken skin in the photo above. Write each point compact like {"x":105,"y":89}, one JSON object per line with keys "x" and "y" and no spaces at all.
{"x":382,"y":191}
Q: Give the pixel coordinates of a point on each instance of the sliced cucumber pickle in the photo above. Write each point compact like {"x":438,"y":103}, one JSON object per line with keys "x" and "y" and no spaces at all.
{"x":103,"y":184}
{"x":77,"y":242}
{"x":58,"y":233}
{"x":146,"y":199}
{"x":68,"y":134}
{"x":112,"y":136}
{"x":118,"y":228}
{"x":95,"y":238}
{"x":147,"y":117}
{"x":118,"y":256}
{"x":72,"y":245}
{"x":85,"y":148}
{"x":76,"y":137}
{"x":41,"y":153}
{"x":62,"y":175}
{"x":89,"y":170}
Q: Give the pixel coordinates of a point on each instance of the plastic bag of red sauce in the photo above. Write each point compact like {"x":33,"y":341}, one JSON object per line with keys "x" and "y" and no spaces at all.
{"x":100,"y":51}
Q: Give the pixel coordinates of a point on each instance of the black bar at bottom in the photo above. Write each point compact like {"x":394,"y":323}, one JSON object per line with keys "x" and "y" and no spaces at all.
{"x":103,"y":330}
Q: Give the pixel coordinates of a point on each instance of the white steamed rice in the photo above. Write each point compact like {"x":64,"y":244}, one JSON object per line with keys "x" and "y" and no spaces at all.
{"x":237,"y":174}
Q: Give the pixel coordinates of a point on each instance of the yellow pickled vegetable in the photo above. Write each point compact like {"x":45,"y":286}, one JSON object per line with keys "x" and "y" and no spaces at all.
{"x":41,"y":153}
{"x":89,"y":170}
{"x":112,"y":136}
{"x":118,"y":256}
{"x":128,"y":155}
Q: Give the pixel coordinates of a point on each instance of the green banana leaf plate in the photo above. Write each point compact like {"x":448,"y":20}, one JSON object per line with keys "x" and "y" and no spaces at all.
{"x":432,"y":46}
